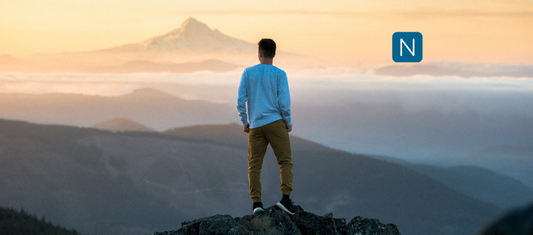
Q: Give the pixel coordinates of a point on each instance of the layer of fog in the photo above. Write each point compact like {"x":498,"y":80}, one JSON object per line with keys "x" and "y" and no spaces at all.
{"x":416,"y":117}
{"x":458,"y":69}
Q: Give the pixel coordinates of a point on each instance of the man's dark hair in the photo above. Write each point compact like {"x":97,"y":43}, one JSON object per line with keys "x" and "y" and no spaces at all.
{"x":267,"y":46}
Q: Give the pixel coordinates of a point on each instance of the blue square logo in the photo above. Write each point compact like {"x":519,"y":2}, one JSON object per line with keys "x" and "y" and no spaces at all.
{"x":407,"y":47}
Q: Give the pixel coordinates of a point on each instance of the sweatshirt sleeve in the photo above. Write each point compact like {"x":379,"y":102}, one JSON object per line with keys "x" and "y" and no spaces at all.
{"x":241,"y":100}
{"x":284,"y":99}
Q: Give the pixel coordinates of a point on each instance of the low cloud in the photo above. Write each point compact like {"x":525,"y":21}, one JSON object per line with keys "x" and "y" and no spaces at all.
{"x":466,"y":70}
{"x":400,"y":115}
{"x":461,"y":12}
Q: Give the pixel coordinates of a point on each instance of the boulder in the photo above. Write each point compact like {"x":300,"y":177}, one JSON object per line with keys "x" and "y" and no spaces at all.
{"x":274,"y":221}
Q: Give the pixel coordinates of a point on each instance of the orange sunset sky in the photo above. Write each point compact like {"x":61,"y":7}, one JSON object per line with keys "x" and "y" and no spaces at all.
{"x":493,"y":31}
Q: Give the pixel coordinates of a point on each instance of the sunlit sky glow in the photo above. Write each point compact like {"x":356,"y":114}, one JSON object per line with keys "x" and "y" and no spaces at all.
{"x":495,"y":31}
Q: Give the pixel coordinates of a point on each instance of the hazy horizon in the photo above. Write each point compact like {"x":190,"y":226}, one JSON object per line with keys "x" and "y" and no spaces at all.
{"x":369,"y":113}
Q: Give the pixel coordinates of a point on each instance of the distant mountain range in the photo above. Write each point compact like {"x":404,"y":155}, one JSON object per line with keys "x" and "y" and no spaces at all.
{"x":161,"y":111}
{"x":100,"y":182}
{"x":191,"y":36}
{"x":7,"y":59}
{"x":189,"y":48}
{"x":121,"y":124}
{"x":515,"y":161}
{"x":143,"y":66}
{"x":480,"y":183}
{"x":150,"y":107}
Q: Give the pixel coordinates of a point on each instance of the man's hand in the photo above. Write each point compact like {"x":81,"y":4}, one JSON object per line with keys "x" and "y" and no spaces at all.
{"x":289,"y":128}
{"x":246,"y":128}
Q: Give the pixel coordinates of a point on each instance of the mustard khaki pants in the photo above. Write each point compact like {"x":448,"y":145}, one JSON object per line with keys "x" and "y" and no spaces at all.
{"x":277,"y":136}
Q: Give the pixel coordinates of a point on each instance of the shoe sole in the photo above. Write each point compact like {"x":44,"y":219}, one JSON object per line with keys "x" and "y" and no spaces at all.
{"x":258,"y":210}
{"x":284,"y":209}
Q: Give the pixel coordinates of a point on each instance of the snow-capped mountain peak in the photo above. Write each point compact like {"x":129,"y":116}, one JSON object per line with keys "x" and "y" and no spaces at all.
{"x":191,"y":36}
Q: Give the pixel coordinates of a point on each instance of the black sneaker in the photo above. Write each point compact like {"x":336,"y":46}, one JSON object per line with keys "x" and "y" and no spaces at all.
{"x":258,"y":208}
{"x":286,"y":205}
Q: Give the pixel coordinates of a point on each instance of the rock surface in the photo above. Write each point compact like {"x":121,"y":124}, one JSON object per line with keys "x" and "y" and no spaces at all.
{"x":274,"y":221}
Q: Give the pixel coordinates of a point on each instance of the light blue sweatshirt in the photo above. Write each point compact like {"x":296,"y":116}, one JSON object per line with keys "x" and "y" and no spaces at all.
{"x":266,"y":91}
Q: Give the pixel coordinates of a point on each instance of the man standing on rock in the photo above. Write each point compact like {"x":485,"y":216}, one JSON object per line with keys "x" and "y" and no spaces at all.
{"x":265,"y":90}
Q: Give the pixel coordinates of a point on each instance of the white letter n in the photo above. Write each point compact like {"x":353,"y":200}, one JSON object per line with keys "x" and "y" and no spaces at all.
{"x":402,"y":42}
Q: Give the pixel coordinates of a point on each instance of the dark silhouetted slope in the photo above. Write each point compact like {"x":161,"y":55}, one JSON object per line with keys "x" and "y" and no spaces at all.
{"x":335,"y":181}
{"x":515,"y":222}
{"x":14,"y":222}
{"x":45,"y":170}
{"x":132,"y":183}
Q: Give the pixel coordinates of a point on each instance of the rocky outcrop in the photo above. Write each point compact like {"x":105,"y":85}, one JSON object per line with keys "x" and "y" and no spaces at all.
{"x":274,"y":221}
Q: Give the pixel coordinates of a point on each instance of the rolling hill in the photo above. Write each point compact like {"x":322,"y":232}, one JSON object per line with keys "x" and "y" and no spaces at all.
{"x":121,"y":124}
{"x":100,"y":182}
{"x":518,"y":161}
{"x":483,"y":184}
{"x":14,"y":222}
{"x":150,"y":107}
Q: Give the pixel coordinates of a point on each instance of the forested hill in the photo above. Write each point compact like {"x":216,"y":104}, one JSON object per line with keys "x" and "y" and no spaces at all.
{"x":14,"y":222}
{"x":105,"y":183}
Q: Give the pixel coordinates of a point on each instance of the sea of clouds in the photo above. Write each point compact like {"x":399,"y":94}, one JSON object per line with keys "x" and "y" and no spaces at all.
{"x":412,"y":116}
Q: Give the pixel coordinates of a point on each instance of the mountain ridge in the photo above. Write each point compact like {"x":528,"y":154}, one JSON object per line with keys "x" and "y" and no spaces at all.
{"x":121,"y":124}
{"x":480,"y":183}
{"x":153,"y":179}
{"x":139,"y":105}
{"x":192,"y":35}
{"x":191,"y":47}
{"x":518,"y":164}
{"x":14,"y":222}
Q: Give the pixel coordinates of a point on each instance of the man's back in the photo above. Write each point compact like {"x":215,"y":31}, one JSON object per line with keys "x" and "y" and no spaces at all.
{"x":266,"y":89}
